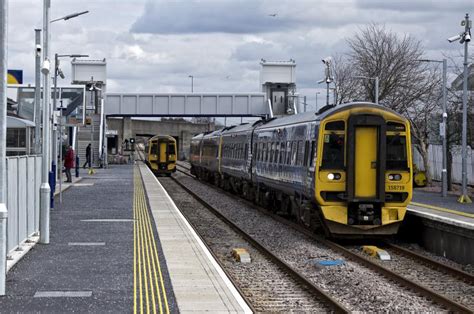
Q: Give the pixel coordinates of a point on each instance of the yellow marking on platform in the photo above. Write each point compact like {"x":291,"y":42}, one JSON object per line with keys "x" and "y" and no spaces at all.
{"x":150,"y":287}
{"x":442,"y":209}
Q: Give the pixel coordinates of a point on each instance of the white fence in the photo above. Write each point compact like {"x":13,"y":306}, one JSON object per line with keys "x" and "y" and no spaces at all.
{"x":23,"y":198}
{"x":435,"y":154}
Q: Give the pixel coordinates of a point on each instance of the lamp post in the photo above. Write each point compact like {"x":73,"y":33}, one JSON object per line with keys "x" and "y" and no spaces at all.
{"x":192,"y":83}
{"x":37,"y":91}
{"x":464,"y":38}
{"x":45,"y":190}
{"x":57,"y":71}
{"x":3,"y":146}
{"x":376,"y":85}
{"x":444,"y":171}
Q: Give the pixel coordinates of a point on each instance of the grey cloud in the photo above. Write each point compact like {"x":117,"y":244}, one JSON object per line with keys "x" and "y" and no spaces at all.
{"x":418,"y":5}
{"x":191,"y":17}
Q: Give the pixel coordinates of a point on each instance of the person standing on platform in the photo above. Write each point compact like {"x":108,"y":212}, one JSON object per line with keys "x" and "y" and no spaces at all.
{"x":88,"y":156}
{"x":69,"y":162}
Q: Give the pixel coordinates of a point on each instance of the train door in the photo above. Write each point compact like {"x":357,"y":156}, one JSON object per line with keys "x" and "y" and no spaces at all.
{"x":365,"y":162}
{"x":366,"y":150}
{"x":163,"y":151}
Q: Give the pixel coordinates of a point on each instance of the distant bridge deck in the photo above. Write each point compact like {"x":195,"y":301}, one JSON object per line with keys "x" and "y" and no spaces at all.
{"x":185,"y":105}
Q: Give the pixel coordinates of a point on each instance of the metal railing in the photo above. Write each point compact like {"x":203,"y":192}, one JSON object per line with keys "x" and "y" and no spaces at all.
{"x":23,"y":199}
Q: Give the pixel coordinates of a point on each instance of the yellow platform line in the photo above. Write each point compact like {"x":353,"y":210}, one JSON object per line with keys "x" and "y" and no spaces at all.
{"x":148,"y":249}
{"x":157,"y":261}
{"x":148,"y":278}
{"x":151,"y":246}
{"x":442,"y":209}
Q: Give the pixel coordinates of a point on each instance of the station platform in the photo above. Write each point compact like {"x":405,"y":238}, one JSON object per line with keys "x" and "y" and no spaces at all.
{"x":447,"y":209}
{"x":441,"y":225}
{"x":113,"y":249}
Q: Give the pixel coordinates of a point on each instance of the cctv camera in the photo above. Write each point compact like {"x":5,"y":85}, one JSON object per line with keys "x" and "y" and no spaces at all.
{"x":467,"y":37}
{"x":45,"y":67}
{"x":61,"y":74}
{"x":38,"y":48}
{"x":454,"y":38}
{"x":327,"y":60}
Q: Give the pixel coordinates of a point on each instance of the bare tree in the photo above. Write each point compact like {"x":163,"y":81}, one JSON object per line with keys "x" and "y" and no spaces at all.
{"x":379,"y":52}
{"x":406,"y":85}
{"x":347,"y":88}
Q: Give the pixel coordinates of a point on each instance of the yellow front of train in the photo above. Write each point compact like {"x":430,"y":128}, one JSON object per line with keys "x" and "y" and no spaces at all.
{"x":363,"y":178}
{"x":162,"y":154}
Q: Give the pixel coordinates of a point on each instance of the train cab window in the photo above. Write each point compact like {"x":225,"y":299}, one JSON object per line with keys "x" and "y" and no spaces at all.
{"x":396,"y":152}
{"x":333,"y":151}
{"x":154,"y":148}
{"x":171,"y":150}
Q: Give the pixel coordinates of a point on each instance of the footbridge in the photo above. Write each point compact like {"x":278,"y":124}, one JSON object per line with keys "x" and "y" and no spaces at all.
{"x":186,"y":105}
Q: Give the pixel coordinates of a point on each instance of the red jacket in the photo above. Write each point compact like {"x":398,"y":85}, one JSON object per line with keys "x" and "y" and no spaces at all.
{"x":69,"y":158}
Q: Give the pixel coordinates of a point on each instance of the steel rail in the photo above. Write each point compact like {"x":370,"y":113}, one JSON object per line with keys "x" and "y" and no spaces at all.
{"x":455,"y":272}
{"x":425,"y":291}
{"x":323,"y":296}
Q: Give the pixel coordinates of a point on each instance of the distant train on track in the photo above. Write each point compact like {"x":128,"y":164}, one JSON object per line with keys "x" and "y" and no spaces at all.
{"x":346,"y":169}
{"x":160,"y":154}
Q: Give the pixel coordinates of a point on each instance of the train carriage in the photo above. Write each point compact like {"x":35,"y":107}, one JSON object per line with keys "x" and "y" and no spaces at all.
{"x":347,"y":169}
{"x":160,"y":154}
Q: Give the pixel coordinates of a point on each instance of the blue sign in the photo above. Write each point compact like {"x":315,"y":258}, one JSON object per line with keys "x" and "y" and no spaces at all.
{"x":15,"y":77}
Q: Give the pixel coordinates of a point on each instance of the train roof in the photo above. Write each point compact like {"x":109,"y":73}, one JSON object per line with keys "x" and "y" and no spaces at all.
{"x":321,"y":114}
{"x":244,"y":127}
{"x":157,"y":137}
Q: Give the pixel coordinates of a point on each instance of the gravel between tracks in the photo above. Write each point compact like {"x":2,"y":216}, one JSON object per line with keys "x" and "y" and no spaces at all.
{"x":267,"y":287}
{"x":438,"y":281}
{"x":358,"y":288}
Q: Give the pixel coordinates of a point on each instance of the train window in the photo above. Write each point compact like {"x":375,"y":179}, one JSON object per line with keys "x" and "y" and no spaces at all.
{"x":396,"y":152}
{"x":294,"y":151}
{"x":246,"y":151}
{"x":312,"y":153}
{"x":264,"y":152}
{"x":333,"y":151}
{"x":282,"y":152}
{"x":277,"y":152}
{"x":335,"y":126}
{"x":300,"y":156}
{"x":306,"y":153}
{"x":288,"y":153}
{"x":274,"y":152}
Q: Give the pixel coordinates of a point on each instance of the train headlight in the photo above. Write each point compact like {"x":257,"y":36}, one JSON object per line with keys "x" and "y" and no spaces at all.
{"x":334,"y":176}
{"x":395,"y":177}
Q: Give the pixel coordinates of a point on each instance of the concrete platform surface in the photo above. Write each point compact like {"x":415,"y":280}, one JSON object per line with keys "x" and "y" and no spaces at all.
{"x":448,"y":202}
{"x":199,"y":284}
{"x":89,"y":264}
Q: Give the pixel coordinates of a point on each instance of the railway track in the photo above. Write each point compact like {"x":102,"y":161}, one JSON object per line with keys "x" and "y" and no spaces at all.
{"x":268,"y":283}
{"x":450,"y":287}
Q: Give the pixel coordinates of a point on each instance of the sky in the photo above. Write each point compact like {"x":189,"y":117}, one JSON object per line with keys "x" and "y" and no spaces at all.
{"x":154,"y":45}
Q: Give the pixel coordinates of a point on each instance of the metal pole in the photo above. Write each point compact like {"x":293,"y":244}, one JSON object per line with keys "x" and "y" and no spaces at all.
{"x":464,"y":197}
{"x":317,"y":101}
{"x":37,"y":91}
{"x":304,"y":103}
{"x":45,"y":188}
{"x":327,"y":93}
{"x":3,"y":147}
{"x":377,"y":90}
{"x":192,"y":83}
{"x":444,"y":171}
{"x":55,"y":164}
{"x":61,"y":153}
